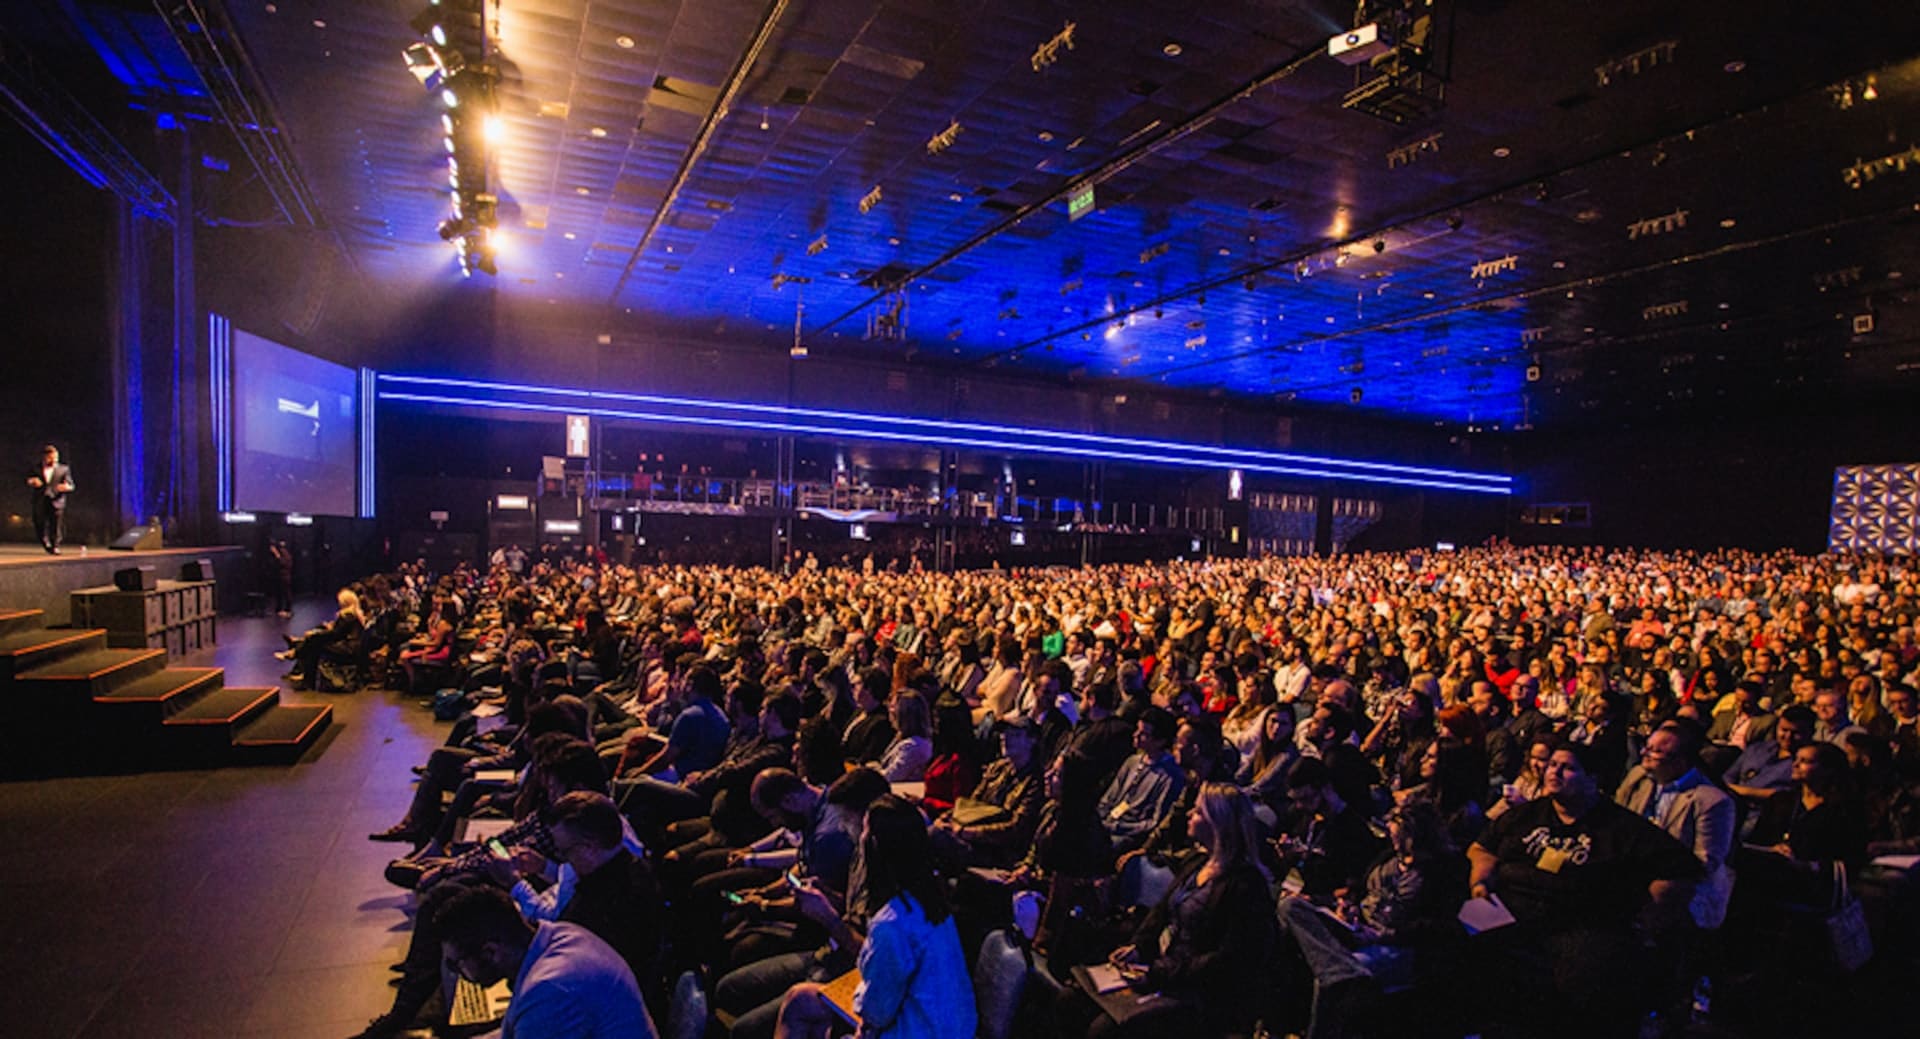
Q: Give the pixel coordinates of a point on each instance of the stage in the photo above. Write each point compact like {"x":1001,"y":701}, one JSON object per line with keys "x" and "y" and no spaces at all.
{"x":30,"y":579}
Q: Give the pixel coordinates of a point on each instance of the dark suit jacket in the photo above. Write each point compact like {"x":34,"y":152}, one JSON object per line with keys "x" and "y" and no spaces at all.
{"x":62,"y":474}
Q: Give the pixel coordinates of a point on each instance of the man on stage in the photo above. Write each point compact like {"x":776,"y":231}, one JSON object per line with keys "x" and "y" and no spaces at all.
{"x":51,"y":483}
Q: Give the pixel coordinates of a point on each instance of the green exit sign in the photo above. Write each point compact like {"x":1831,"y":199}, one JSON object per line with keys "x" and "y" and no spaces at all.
{"x":1080,"y":203}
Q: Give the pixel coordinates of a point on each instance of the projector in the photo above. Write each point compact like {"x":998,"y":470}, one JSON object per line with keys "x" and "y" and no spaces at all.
{"x":1360,"y":45}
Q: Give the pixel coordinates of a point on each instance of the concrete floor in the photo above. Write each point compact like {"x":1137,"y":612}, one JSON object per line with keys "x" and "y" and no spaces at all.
{"x":234,"y":902}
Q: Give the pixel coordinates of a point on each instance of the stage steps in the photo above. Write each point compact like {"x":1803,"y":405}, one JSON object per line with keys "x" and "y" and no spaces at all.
{"x":73,"y":704}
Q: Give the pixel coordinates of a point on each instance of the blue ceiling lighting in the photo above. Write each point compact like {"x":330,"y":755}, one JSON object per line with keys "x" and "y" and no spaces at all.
{"x":817,"y":422}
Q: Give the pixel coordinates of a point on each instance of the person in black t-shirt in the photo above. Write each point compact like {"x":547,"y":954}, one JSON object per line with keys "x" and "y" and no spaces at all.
{"x":1590,"y":886}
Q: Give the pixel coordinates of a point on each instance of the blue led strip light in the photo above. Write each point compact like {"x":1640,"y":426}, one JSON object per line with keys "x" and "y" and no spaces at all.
{"x":368,"y":388}
{"x":1054,"y":441}
{"x":1011,"y":445}
{"x":220,"y":386}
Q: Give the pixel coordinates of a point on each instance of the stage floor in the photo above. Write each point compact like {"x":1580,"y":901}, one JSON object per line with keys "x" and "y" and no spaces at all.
{"x":30,"y":579}
{"x":15,"y":554}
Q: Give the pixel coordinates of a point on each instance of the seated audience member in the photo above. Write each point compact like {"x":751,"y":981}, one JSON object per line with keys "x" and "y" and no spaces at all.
{"x":1327,"y":839}
{"x":454,"y":769}
{"x":907,"y":756}
{"x":1071,"y":856}
{"x":567,"y":983}
{"x":1527,"y":784}
{"x":436,"y":651}
{"x":699,"y":734}
{"x":1263,"y":771}
{"x":1668,"y":789}
{"x":1903,"y":712}
{"x":1201,"y":753}
{"x":762,"y":966}
{"x":913,"y":974}
{"x":1817,"y":824}
{"x":1766,"y":768}
{"x":867,"y":737}
{"x":335,"y":641}
{"x":1831,"y":722}
{"x":760,"y":737}
{"x":993,"y":825}
{"x":601,"y":882}
{"x":1101,"y":734}
{"x":1453,"y":778}
{"x":1576,"y":871}
{"x":1409,"y":903}
{"x":1746,"y":723}
{"x":1148,"y":783}
{"x":1203,"y":952}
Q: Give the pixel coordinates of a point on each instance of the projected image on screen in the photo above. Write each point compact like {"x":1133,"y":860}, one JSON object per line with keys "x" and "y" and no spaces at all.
{"x":294,"y":430}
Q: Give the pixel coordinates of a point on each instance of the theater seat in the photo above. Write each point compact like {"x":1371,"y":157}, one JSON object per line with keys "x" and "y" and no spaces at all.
{"x":1000,"y":976}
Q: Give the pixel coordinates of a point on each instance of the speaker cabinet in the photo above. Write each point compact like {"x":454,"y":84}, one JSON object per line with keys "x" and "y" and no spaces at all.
{"x":135,"y":579}
{"x":197,"y":570}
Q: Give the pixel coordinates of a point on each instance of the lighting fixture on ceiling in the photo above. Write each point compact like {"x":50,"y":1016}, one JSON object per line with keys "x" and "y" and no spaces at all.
{"x":1502,"y":152}
{"x":597,"y":131}
{"x":1172,"y":49}
{"x":625,"y":43}
{"x":449,"y":98}
{"x":492,"y":130}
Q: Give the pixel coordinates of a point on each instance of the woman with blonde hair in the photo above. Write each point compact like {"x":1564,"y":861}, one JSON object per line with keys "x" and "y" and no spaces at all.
{"x":338,"y":639}
{"x":1204,"y":952}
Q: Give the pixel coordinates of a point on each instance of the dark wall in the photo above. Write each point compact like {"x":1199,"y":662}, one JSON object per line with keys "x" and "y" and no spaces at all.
{"x":1762,"y":481}
{"x":57,"y":238}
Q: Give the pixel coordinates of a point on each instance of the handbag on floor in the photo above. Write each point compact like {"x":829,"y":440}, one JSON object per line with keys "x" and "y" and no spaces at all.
{"x":1848,"y":940}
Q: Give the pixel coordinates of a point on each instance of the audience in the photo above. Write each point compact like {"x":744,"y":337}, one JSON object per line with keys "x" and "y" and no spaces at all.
{"x":1279,"y":777}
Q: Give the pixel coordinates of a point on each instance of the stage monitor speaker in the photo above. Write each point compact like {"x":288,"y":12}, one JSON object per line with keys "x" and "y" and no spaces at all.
{"x":197,"y":570}
{"x":143,"y":538}
{"x":135,"y":579}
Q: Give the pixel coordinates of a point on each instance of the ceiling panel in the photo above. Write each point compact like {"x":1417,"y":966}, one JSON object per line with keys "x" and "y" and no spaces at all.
{"x":1674,"y":233}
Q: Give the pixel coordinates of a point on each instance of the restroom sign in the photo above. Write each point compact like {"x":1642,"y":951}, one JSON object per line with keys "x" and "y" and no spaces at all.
{"x":578,"y":429}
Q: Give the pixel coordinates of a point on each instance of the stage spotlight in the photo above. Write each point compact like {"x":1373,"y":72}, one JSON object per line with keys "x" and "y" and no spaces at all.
{"x":451,"y":99}
{"x":448,"y":141}
{"x":492,"y":130}
{"x":446,"y":123}
{"x":1379,"y":245}
{"x":427,"y":23}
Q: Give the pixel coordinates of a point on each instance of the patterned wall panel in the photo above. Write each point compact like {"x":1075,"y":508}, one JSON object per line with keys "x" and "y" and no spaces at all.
{"x":1876,"y":508}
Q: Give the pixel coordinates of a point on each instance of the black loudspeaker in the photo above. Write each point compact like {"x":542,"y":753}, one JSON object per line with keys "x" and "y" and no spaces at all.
{"x":143,"y":538}
{"x":197,"y":570}
{"x":135,"y":579}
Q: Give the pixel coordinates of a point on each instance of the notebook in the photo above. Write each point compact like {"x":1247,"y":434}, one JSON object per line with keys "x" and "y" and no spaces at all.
{"x":473,"y":831}
{"x":839,"y":995}
{"x":475,"y":1005}
{"x":1480,"y":915}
